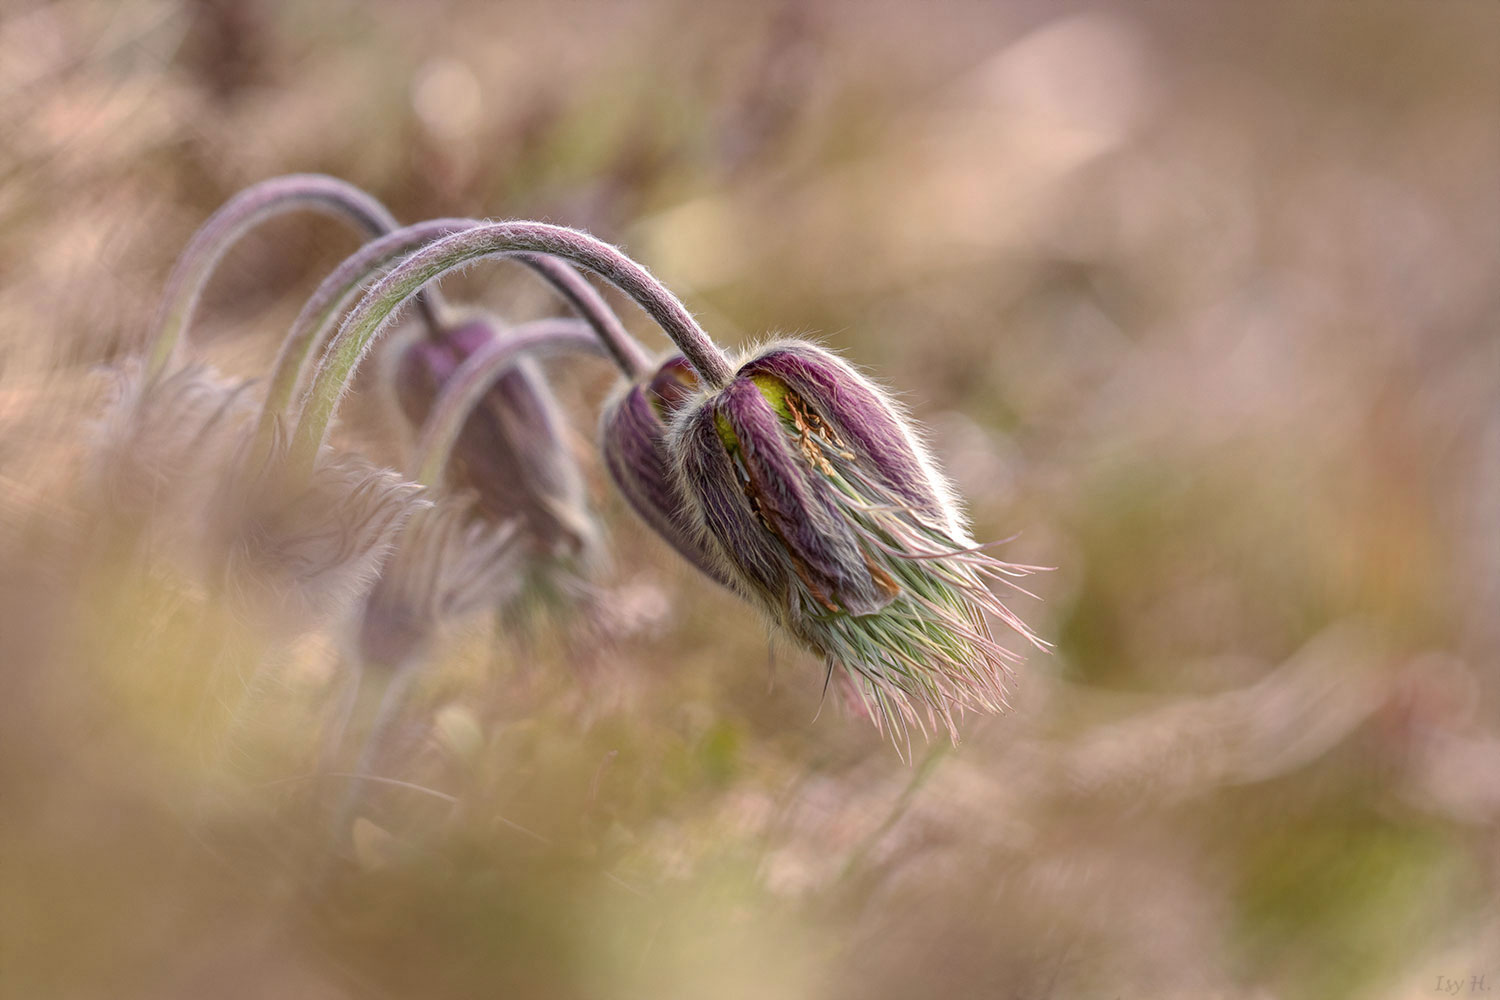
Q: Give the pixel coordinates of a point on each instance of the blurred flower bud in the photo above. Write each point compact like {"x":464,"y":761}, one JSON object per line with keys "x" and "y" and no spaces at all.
{"x":160,"y":447}
{"x":819,"y":502}
{"x":299,"y":552}
{"x":633,"y":438}
{"x":444,"y":566}
{"x":511,"y":453}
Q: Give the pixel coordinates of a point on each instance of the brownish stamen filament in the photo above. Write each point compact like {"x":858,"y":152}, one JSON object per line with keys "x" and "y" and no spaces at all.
{"x":809,"y":424}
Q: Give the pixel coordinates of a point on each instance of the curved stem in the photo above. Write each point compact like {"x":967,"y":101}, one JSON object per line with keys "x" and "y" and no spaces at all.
{"x":585,"y":299}
{"x":238,"y":216}
{"x":381,"y":699}
{"x":333,"y":736}
{"x":313,"y":325}
{"x":311,"y":328}
{"x":466,"y":386}
{"x":494,"y":239}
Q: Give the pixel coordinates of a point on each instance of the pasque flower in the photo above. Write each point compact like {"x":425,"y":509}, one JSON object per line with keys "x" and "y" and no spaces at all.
{"x":443,"y":567}
{"x":816,"y":499}
{"x":449,"y":561}
{"x":171,"y":422}
{"x":800,"y":482}
{"x":159,"y":445}
{"x":298,"y":550}
{"x":633,"y":438}
{"x":512,"y":452}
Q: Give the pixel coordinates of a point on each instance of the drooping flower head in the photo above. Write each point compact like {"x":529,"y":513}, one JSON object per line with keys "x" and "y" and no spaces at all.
{"x":159,"y":445}
{"x":172,"y":427}
{"x":512,"y":453}
{"x":633,"y":438}
{"x":297,"y":551}
{"x":443,"y":567}
{"x":816,"y":499}
{"x":803,"y":481}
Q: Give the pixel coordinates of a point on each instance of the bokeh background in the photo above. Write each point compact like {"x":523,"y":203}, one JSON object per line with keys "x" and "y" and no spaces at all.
{"x":1202,"y":299}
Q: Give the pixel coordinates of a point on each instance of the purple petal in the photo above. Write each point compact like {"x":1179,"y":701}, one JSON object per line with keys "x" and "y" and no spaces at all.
{"x":710,"y":477}
{"x":633,"y":440}
{"x":674,"y":383}
{"x":791,"y":501}
{"x":858,"y":413}
{"x":512,"y":451}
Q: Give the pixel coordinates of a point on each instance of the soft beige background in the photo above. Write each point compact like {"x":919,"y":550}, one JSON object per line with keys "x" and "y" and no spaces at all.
{"x":1203,"y":299}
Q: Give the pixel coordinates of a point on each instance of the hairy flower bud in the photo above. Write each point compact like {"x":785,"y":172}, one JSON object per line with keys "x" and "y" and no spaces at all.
{"x":159,"y":447}
{"x":299,"y":552}
{"x":817,"y":500}
{"x":443,"y":567}
{"x":633,"y":439}
{"x":511,"y":453}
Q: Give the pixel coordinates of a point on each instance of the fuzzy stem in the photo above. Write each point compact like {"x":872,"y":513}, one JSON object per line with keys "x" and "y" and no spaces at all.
{"x":310,"y":331}
{"x":311,"y":328}
{"x":381,"y":696}
{"x":627,"y":352}
{"x":243,"y":212}
{"x":495,"y":239}
{"x":338,"y":723}
{"x":466,"y":386}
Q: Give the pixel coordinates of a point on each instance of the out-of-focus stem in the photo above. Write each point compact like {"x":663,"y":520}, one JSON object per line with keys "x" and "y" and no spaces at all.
{"x":243,"y":212}
{"x":495,"y":239}
{"x":464,"y":389}
{"x":338,"y":724}
{"x":627,"y":352}
{"x":313,"y":324}
{"x":378,"y":702}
